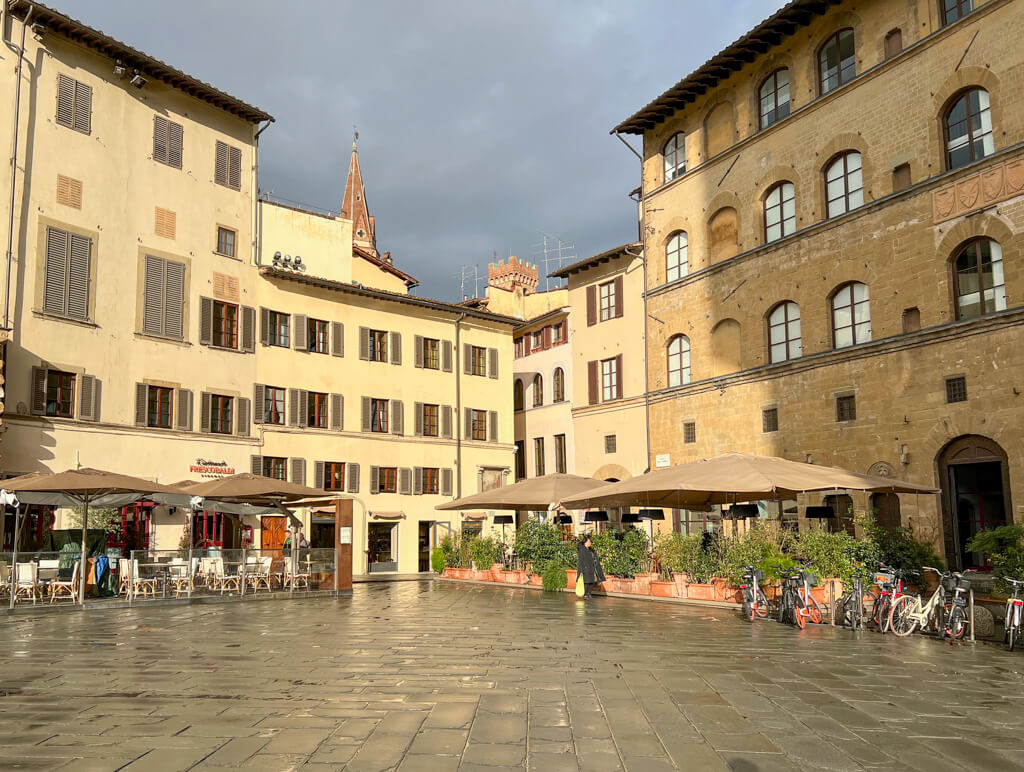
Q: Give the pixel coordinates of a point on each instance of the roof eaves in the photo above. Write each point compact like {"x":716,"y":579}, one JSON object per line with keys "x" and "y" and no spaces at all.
{"x":589,"y":262}
{"x":542,"y":319}
{"x":410,"y":281}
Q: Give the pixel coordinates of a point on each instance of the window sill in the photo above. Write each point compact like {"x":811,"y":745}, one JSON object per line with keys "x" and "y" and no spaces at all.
{"x":162,"y":339}
{"x":229,"y":257}
{"x":61,"y":318}
{"x":226,"y":349}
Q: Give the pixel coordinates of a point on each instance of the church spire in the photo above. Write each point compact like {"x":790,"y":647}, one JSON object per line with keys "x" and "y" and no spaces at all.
{"x":354,"y":206}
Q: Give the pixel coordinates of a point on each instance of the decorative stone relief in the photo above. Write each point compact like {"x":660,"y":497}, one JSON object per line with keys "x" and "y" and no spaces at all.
{"x":979,"y":190}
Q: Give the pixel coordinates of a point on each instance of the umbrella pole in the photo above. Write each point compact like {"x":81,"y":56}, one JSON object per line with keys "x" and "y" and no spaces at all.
{"x":81,"y":567}
{"x":14,"y":553}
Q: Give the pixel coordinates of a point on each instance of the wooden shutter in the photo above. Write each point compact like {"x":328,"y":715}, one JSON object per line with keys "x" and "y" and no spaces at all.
{"x":304,"y":407}
{"x":78,"y":276}
{"x":468,"y":416}
{"x":352,"y":477}
{"x":264,"y":326}
{"x":65,"y":100}
{"x":69,"y":191}
{"x":405,"y":481}
{"x":446,"y":422}
{"x":88,"y":398}
{"x":417,"y":480}
{"x":248,"y":329}
{"x":364,"y":343}
{"x":446,"y":356}
{"x":141,"y":404}
{"x":397,"y":416}
{"x":175,"y":144}
{"x":619,"y":299}
{"x":242,"y":417}
{"x":417,"y":409}
{"x":206,"y":321}
{"x":593,"y":382}
{"x":38,"y":398}
{"x":235,"y":168}
{"x":160,"y":138}
{"x":293,"y":407}
{"x":174,"y":300}
{"x":319,"y":473}
{"x":366,"y":424}
{"x":619,"y":376}
{"x":300,"y":335}
{"x":205,"y":399}
{"x":337,"y":417}
{"x":591,"y":305}
{"x":220,"y":172}
{"x":256,"y":466}
{"x":546,"y":337}
{"x":83,"y":108}
{"x":446,"y":482}
{"x":467,"y":359}
{"x":492,"y":362}
{"x":396,"y":348}
{"x":492,"y":423}
{"x":153,"y":296}
{"x":298,"y":471}
{"x":183,"y":417}
{"x":374,"y":479}
{"x":417,"y":351}
{"x":259,"y":401}
{"x":337,"y":339}
{"x":55,"y":278}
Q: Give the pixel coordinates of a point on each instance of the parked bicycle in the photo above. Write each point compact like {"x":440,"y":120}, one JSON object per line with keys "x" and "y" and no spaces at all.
{"x":852,"y":611}
{"x":937,"y":614}
{"x":755,"y":602}
{"x":1014,"y":609}
{"x":797,"y":605}
{"x":890,"y":583}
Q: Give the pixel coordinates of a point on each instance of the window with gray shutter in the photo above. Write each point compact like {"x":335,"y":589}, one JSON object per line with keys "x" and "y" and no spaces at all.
{"x":163,"y":300}
{"x":397,"y":416}
{"x":319,"y":470}
{"x":446,"y":482}
{"x":242,"y":421}
{"x":38,"y":399}
{"x":417,"y":410}
{"x":492,"y":362}
{"x":417,"y":480}
{"x":183,"y":415}
{"x":257,"y":465}
{"x":205,"y":321}
{"x":74,"y":104}
{"x":67,"y":273}
{"x":248,"y":329}
{"x":259,"y":398}
{"x":396,"y":348}
{"x":301,"y":332}
{"x":492,"y":422}
{"x":167,"y":141}
{"x":417,"y":351}
{"x":446,"y":421}
{"x":337,"y":412}
{"x":88,"y":398}
{"x":265,"y":326}
{"x":467,"y":359}
{"x":467,"y":423}
{"x":352,"y":473}
{"x":141,"y":403}
{"x":374,"y":479}
{"x":405,"y":481}
{"x":446,"y":356}
{"x":365,"y":424}
{"x":228,"y":166}
{"x":205,"y":401}
{"x":364,"y":343}
{"x":298,"y":471}
{"x":294,"y":407}
{"x":337,"y":339}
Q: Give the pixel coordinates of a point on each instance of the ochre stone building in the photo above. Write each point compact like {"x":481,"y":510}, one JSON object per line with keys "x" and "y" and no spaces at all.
{"x":832,"y":209}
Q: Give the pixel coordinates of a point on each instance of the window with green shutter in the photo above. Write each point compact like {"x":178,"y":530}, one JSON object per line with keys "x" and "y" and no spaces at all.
{"x":163,"y":305}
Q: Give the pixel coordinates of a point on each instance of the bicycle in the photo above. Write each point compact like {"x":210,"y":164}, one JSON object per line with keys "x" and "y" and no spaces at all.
{"x":851,"y":611}
{"x":890,"y":583}
{"x":1014,"y":609}
{"x":909,"y":612}
{"x":755,"y":602}
{"x":797,"y":605}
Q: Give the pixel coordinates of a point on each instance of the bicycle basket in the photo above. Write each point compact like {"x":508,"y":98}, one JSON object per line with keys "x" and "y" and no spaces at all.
{"x":949,"y":583}
{"x":963,"y":584}
{"x":884,"y":577}
{"x":811,"y":579}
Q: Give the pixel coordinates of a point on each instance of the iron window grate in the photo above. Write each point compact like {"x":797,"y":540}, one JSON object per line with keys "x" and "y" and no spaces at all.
{"x":956,"y":389}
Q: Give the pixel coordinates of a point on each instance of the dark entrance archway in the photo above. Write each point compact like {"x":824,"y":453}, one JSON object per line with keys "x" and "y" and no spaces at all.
{"x":975,"y":495}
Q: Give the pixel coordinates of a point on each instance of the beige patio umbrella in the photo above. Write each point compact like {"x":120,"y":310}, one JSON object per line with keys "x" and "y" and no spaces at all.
{"x":254,"y":489}
{"x":535,"y":493}
{"x":731,"y":478}
{"x":82,"y":487}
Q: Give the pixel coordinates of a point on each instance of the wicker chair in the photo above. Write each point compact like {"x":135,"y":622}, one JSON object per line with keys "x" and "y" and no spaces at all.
{"x":26,"y":583}
{"x":65,"y":588}
{"x":297,"y":579}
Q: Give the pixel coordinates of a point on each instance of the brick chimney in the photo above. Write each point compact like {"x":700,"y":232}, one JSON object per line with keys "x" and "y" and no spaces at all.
{"x":513,"y":275}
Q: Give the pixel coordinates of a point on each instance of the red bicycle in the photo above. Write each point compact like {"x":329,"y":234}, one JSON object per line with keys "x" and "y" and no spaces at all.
{"x":890,"y":583}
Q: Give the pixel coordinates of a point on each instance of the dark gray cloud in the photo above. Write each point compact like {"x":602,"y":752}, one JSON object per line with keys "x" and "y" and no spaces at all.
{"x":482,"y":123}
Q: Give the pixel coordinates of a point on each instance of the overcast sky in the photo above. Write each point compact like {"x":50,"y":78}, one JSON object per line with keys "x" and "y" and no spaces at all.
{"x":482,"y":123}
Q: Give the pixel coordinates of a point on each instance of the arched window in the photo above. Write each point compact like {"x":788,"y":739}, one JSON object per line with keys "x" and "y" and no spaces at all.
{"x":774,"y":95}
{"x":978,"y":278}
{"x":779,"y":212}
{"x":675,"y":156}
{"x":784,"y":336}
{"x":952,"y":10}
{"x":851,"y":315}
{"x":538,"y":390}
{"x":517,"y":395}
{"x":844,"y":184}
{"x":558,"y":385}
{"x":968,"y":125}
{"x":677,"y":256}
{"x":837,"y":61}
{"x":678,"y":360}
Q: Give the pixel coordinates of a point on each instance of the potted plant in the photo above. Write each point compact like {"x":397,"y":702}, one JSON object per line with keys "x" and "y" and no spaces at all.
{"x":664,"y":586}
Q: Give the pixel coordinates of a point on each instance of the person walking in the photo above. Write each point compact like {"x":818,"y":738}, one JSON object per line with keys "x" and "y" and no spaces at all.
{"x":588,"y":565}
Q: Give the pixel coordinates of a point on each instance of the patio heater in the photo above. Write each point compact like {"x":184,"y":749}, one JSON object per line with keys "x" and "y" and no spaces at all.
{"x":595,"y":516}
{"x":819,"y":513}
{"x":563,"y":518}
{"x":503,"y":520}
{"x":651,"y":515}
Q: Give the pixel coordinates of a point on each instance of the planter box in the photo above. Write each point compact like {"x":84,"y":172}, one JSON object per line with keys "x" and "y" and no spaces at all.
{"x":681,"y":581}
{"x":663,"y":589}
{"x":448,"y":573}
{"x":695,"y":591}
{"x":643,"y":583}
{"x":496,"y":571}
{"x":536,"y":580}
{"x":610,"y":584}
{"x":821,"y":592}
{"x":570,"y":574}
{"x":482,"y":575}
{"x":515,"y":577}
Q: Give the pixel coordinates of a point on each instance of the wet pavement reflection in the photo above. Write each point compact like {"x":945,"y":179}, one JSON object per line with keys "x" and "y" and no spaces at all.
{"x":439,"y":676}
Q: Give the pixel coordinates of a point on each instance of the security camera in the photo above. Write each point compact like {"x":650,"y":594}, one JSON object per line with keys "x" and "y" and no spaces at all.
{"x":137,"y":80}
{"x":298,"y":260}
{"x":277,"y":256}
{"x":119,"y":69}
{"x":287,"y":258}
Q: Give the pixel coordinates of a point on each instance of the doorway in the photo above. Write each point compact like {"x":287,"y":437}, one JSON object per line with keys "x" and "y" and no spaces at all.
{"x":273,"y":530}
{"x":975,"y":496}
{"x":423,"y":545}
{"x":380,"y":551}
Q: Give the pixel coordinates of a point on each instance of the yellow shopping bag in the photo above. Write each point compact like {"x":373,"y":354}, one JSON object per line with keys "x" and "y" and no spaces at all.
{"x":580,"y":589}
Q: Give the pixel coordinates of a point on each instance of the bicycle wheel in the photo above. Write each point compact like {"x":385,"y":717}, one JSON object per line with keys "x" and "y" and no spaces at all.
{"x":800,"y":616}
{"x":1011,"y":635}
{"x":814,"y":615}
{"x":880,"y":612}
{"x":957,"y":625}
{"x":763,"y":609}
{"x":748,"y":607}
{"x":899,"y":616}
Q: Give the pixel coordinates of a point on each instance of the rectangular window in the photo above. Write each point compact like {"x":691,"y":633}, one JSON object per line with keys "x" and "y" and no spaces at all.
{"x":610,"y":443}
{"x":518,"y":348}
{"x":158,"y":413}
{"x":479,"y":425}
{"x":67,"y":273}
{"x":220,"y":413}
{"x":273,"y":405}
{"x":431,"y":354}
{"x":388,"y":480}
{"x":478,"y":356}
{"x":74,"y":104}
{"x":228,"y":166}
{"x":431,"y":480}
{"x":538,"y":456}
{"x":378,"y":346}
{"x":538,"y":340}
{"x":608,"y":300}
{"x":520,"y":459}
{"x":316,"y":410}
{"x":560,"y":453}
{"x":60,"y":393}
{"x":225,"y":324}
{"x":558,"y":333}
{"x":226,"y":241}
{"x":609,"y":379}
{"x":954,"y":10}
{"x":689,"y":432}
{"x":379,"y":415}
{"x":163,"y":300}
{"x":770,"y":420}
{"x":276,"y":467}
{"x":318,"y":336}
{"x":334,"y":476}
{"x":956,"y":389}
{"x":278,"y":329}
{"x":167,"y":141}
{"x":430,"y":421}
{"x":690,"y":523}
{"x":846,"y":408}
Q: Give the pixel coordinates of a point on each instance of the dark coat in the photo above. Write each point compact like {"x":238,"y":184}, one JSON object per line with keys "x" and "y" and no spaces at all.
{"x":588,"y":564}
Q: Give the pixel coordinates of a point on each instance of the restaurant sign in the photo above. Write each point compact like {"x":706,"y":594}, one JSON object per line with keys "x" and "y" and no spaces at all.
{"x":212,"y":469}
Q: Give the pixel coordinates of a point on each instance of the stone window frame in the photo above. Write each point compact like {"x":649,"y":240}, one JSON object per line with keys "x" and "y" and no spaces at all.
{"x":767,"y":207}
{"x":849,"y":194}
{"x":954,"y":277}
{"x":773,"y":76}
{"x":677,"y":255}
{"x":836,"y":39}
{"x":677,"y":152}
{"x":833,"y":309}
{"x":790,"y":341}
{"x":986,"y":135}
{"x":684,"y":357}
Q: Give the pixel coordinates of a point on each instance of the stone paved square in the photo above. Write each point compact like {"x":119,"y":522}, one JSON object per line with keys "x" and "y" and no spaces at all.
{"x":436,"y":676}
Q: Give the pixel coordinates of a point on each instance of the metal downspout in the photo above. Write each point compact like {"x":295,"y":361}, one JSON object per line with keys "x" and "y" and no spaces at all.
{"x":257,"y":241}
{"x":458,"y":408}
{"x":14,"y":170}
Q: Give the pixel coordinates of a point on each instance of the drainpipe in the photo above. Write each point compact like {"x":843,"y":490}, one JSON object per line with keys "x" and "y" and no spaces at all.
{"x":458,"y":407}
{"x":14,"y":168}
{"x":643,"y":262}
{"x":257,"y":242}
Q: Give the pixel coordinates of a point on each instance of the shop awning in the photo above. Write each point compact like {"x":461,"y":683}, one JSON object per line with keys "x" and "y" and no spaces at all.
{"x":388,"y":515}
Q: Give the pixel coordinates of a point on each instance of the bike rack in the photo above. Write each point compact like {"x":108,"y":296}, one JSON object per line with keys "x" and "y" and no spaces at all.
{"x":970,"y":606}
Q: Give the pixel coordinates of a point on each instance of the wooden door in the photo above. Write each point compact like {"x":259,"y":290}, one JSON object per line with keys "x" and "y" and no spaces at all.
{"x":272,"y":532}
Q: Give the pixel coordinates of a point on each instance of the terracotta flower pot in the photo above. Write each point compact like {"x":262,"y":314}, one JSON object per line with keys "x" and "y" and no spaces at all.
{"x":496,"y":571}
{"x":771,"y":591}
{"x":482,"y":575}
{"x":611,"y":584}
{"x":661,"y":589}
{"x":643,"y":583}
{"x":681,"y":580}
{"x":570,"y":574}
{"x":536,"y":580}
{"x":721,"y":587}
{"x":696,"y":591}
{"x":628,"y":585}
{"x":821,"y":592}
{"x":448,"y":573}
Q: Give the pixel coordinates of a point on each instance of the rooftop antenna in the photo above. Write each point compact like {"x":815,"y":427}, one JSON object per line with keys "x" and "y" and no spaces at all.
{"x":469,"y":273}
{"x":553,"y":252}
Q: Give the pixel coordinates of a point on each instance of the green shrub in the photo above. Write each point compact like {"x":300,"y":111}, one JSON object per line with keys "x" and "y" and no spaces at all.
{"x":540,"y":544}
{"x":614,"y":554}
{"x":677,"y":552}
{"x":764,"y":544}
{"x":486,"y":551}
{"x":898,"y":548}
{"x":553,"y":578}
{"x":1004,"y":547}
{"x":836,"y":554}
{"x":437,"y":560}
{"x":456,"y":550}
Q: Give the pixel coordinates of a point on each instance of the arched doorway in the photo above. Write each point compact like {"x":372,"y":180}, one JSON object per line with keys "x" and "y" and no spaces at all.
{"x":975,"y":495}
